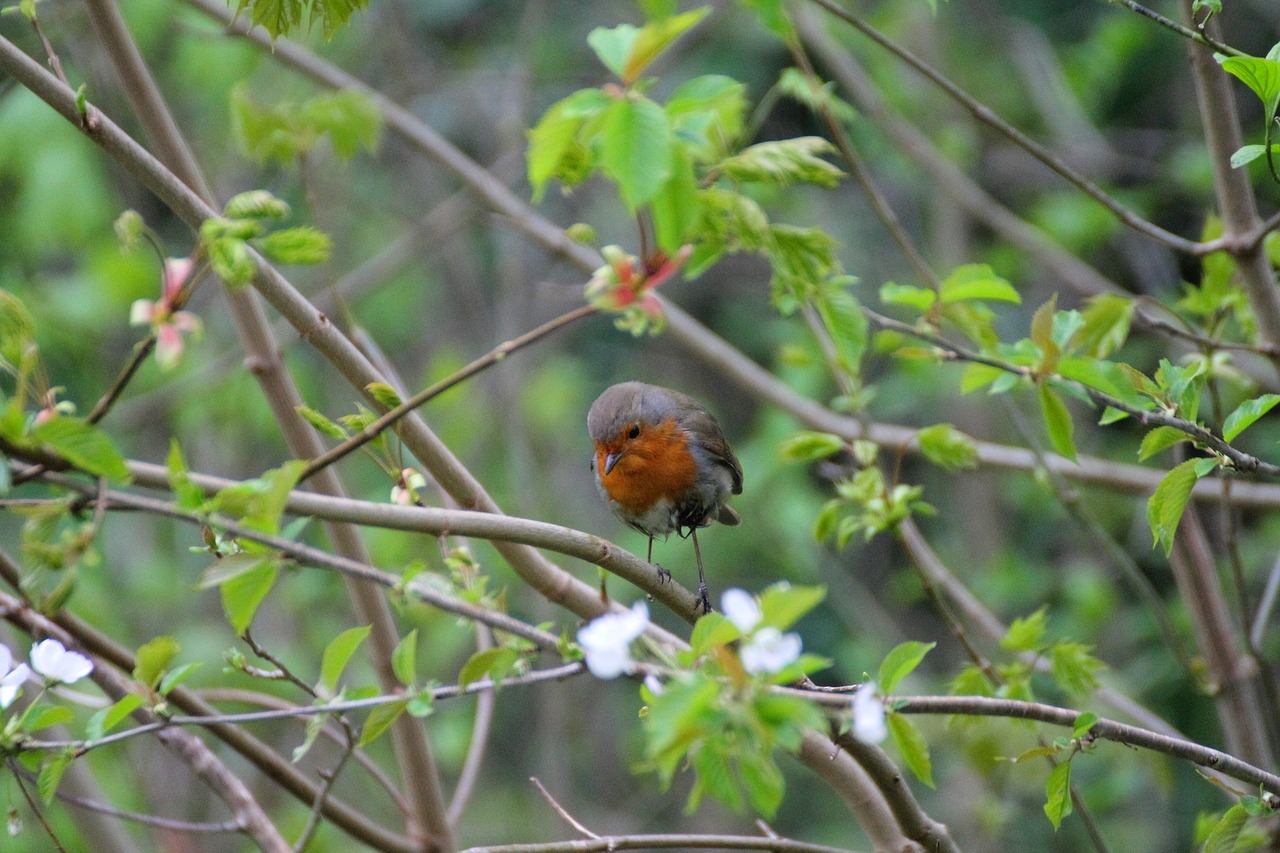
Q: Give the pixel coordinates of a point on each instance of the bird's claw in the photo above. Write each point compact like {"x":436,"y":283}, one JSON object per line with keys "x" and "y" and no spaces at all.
{"x":664,"y":576}
{"x":703,"y":599}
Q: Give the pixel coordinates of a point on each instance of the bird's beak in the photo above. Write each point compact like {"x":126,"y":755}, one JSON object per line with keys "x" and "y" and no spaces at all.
{"x":610,"y":460}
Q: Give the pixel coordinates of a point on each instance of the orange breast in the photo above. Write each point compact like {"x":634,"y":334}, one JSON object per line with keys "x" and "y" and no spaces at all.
{"x":655,"y":465}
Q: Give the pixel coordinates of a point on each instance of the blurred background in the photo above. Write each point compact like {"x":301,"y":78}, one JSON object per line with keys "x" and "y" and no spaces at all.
{"x":435,"y":280}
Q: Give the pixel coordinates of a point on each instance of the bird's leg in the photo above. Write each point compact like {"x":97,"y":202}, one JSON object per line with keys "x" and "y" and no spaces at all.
{"x":604,"y":592}
{"x":663,"y":574}
{"x":703,"y":598}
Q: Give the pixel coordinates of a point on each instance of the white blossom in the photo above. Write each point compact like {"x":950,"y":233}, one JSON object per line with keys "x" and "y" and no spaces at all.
{"x":769,"y":651}
{"x":654,"y":684}
{"x":52,"y":660}
{"x":868,"y":715}
{"x":12,"y":678}
{"x":607,"y":640}
{"x":741,"y":609}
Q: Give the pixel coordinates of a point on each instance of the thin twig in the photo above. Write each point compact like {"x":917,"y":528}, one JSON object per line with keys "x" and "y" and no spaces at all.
{"x":561,"y":810}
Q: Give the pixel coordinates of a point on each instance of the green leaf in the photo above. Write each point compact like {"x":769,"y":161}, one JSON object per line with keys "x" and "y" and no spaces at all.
{"x":1225,"y":835}
{"x":384,"y":394}
{"x":920,"y":298}
{"x":322,"y":424}
{"x":350,"y":118}
{"x":380,"y":719}
{"x":811,"y":446}
{"x":977,"y":281}
{"x":338,"y":653}
{"x":50,"y":715}
{"x":764,"y":783}
{"x":153,"y":658}
{"x":553,"y":140}
{"x":842,"y":316}
{"x":785,"y":161}
{"x":977,"y":376}
{"x":242,"y":594}
{"x":232,"y":261}
{"x":782,"y":605}
{"x":1158,"y":439}
{"x":1058,"y":793}
{"x":83,"y":445}
{"x":495,"y":663}
{"x":913,"y":747}
{"x":189,"y":496}
{"x":1246,"y":413}
{"x":613,"y":46}
{"x":676,"y":207}
{"x":948,"y":447}
{"x":1042,"y":336}
{"x":315,"y":725}
{"x":175,"y":677}
{"x":900,"y":661}
{"x":1106,"y":325}
{"x":654,"y":38}
{"x":1074,"y":668}
{"x":255,"y":204}
{"x":17,"y":328}
{"x":106,"y":719}
{"x":404,"y":658}
{"x":302,"y":245}
{"x":1167,"y":503}
{"x":635,"y":148}
{"x":710,"y":631}
{"x":1246,"y":154}
{"x":232,"y":566}
{"x":1057,"y":422}
{"x":818,"y":97}
{"x":1083,"y":723}
{"x":51,"y":774}
{"x":1260,"y":75}
{"x":1026,"y":634}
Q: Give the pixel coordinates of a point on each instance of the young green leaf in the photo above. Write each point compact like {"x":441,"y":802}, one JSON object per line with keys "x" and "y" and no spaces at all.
{"x":255,"y":204}
{"x":1083,"y":723}
{"x":1026,"y":634}
{"x":1106,"y":325}
{"x":176,"y":676}
{"x":1167,"y":503}
{"x":948,"y":447}
{"x":380,"y":719}
{"x":242,"y":594}
{"x":301,"y":245}
{"x":232,"y":566}
{"x":782,"y":605}
{"x":1057,"y":422}
{"x":811,"y":446}
{"x":977,"y":281}
{"x":404,"y":658}
{"x":635,"y":148}
{"x":495,"y":663}
{"x":784,"y":161}
{"x":613,"y":46}
{"x":106,"y":719}
{"x":913,"y":747}
{"x":1074,"y":668}
{"x":51,"y":774}
{"x":899,"y":663}
{"x":1042,"y":336}
{"x":189,"y":496}
{"x":655,"y":37}
{"x":676,"y":207}
{"x":1260,"y":75}
{"x":83,"y":445}
{"x":338,"y":653}
{"x":322,"y":424}
{"x":1246,"y":413}
{"x":710,"y":631}
{"x":1058,"y":793}
{"x":1158,"y":439}
{"x":1225,"y":835}
{"x":918,"y":298}
{"x":553,"y":140}
{"x":153,"y":658}
{"x":764,"y":782}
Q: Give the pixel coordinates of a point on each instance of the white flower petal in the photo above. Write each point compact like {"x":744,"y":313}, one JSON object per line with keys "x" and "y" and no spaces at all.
{"x":741,"y":609}
{"x":52,"y":660}
{"x":6,"y":659}
{"x":10,"y":684}
{"x":769,"y":651}
{"x":605,"y":640}
{"x":868,"y":715}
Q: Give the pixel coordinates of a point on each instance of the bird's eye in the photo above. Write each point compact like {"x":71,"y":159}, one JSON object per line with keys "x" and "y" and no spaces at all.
{"x":634,"y":432}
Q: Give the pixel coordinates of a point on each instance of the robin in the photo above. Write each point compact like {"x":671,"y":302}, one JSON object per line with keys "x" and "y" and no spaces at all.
{"x":663,"y":464}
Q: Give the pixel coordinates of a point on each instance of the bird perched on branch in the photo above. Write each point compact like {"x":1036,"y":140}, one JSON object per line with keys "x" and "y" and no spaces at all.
{"x":662,"y":463}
